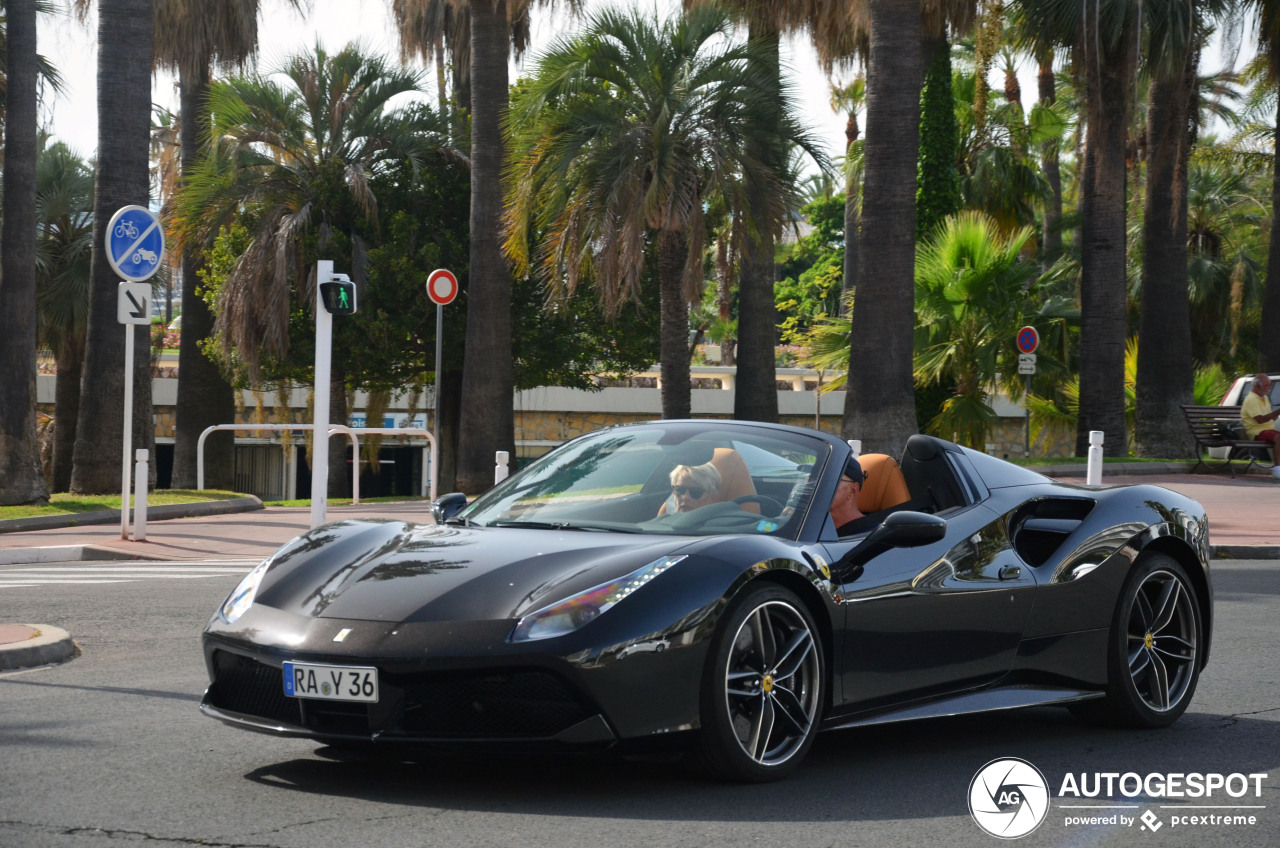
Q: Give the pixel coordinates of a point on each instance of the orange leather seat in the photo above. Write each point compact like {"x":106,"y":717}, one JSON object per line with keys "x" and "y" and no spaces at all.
{"x":883,"y":485}
{"x":735,"y":479}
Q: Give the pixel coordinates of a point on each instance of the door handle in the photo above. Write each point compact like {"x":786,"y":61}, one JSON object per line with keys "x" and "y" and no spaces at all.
{"x":1010,"y":572}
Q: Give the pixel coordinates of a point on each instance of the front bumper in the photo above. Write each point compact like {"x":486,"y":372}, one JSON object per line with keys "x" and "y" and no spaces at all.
{"x":460,"y":683}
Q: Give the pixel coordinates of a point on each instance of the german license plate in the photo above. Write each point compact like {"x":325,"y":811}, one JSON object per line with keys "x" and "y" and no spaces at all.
{"x":331,"y":682}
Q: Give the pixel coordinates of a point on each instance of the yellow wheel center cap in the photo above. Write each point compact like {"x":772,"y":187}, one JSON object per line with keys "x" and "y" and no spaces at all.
{"x":1149,"y":641}
{"x":767,"y":683}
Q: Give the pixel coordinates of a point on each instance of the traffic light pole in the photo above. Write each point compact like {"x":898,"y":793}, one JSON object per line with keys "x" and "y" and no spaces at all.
{"x":320,"y":417}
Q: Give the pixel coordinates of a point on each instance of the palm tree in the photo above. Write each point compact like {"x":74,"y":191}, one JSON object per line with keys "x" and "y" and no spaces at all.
{"x":620,"y":140}
{"x":64,"y":220}
{"x":191,"y":36}
{"x":46,"y":73}
{"x":972,"y":292}
{"x":123,"y":178}
{"x":295,"y":157}
{"x":1267,"y":14}
{"x":880,"y":400}
{"x":1165,"y":370}
{"x":1103,"y":38}
{"x":850,"y":99}
{"x":21,"y":479}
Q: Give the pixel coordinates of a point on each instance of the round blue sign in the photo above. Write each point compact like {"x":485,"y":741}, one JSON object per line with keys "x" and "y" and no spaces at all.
{"x":135,"y":243}
{"x":1028,"y":340}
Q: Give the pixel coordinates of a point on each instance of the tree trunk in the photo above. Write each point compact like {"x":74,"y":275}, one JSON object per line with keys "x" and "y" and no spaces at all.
{"x":1166,"y":374}
{"x":1103,"y":324}
{"x":1269,"y":342}
{"x":488,"y":382}
{"x":1052,"y":245}
{"x":339,"y":470}
{"x":123,"y":178}
{"x":879,"y":405}
{"x":21,"y":478}
{"x":450,"y":389}
{"x":674,"y":331}
{"x":205,"y":398}
{"x":852,"y":221}
{"x":66,"y":407}
{"x":756,"y":398}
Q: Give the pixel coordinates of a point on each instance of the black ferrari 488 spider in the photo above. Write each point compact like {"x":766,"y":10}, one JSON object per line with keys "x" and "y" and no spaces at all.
{"x":592,"y":600}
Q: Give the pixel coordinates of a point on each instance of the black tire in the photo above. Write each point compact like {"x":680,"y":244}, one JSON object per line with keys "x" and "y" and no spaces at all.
{"x":1154,"y":649}
{"x":763,"y":687}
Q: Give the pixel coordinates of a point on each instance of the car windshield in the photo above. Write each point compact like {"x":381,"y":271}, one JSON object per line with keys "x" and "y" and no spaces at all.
{"x":666,"y":479}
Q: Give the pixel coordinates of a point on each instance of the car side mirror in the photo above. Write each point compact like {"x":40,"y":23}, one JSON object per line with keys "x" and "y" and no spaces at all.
{"x":899,"y":530}
{"x":447,"y":506}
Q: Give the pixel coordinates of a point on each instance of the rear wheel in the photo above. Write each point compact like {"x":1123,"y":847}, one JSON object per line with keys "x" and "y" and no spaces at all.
{"x":762,"y":688}
{"x":1153,"y":660}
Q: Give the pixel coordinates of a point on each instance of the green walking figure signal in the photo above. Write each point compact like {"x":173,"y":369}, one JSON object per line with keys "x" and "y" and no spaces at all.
{"x":339,"y":295}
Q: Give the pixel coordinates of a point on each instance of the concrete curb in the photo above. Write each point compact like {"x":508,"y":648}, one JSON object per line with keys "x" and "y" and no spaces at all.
{"x":1244,"y":551}
{"x":71,"y":553}
{"x":52,"y":645}
{"x":112,"y":516}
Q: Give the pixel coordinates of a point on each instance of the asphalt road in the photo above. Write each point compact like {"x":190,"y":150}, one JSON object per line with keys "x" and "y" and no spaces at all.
{"x":110,"y":749}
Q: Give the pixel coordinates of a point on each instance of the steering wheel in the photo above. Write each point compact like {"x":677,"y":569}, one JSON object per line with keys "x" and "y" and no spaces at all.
{"x":768,"y":503}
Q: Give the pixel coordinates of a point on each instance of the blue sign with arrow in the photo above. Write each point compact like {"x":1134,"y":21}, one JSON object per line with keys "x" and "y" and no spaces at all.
{"x":135,"y":243}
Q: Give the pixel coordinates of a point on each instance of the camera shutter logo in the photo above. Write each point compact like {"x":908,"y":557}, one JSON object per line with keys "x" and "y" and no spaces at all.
{"x":1008,"y":798}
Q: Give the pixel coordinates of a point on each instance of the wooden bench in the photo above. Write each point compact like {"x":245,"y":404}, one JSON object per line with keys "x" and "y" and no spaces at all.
{"x":1216,"y":427}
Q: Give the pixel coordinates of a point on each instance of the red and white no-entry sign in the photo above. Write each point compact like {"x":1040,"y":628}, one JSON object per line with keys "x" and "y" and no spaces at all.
{"x":442,"y":286}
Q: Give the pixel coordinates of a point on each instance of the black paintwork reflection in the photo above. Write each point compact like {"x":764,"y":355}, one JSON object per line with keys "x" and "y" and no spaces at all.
{"x":913,"y":631}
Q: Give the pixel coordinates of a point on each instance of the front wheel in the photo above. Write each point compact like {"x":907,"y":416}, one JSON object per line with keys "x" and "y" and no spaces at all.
{"x":762,"y":688}
{"x":1153,"y":660}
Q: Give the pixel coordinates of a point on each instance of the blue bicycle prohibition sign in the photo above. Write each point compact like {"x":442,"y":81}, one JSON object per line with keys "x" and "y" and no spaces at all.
{"x":135,"y":243}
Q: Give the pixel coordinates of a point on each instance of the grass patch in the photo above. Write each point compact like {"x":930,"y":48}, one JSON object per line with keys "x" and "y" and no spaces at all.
{"x":347,"y":501}
{"x":65,"y":504}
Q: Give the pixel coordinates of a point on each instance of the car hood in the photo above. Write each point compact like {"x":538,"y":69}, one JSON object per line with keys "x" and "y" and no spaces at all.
{"x":395,"y":571}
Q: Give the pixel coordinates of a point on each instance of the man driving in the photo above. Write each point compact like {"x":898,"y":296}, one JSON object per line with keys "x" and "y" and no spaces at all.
{"x":845,"y":513}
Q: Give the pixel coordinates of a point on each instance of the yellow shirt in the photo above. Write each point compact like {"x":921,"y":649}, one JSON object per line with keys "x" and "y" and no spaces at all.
{"x":1255,"y":405}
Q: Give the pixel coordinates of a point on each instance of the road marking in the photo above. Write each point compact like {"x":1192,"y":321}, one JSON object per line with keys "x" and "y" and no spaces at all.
{"x":25,"y":577}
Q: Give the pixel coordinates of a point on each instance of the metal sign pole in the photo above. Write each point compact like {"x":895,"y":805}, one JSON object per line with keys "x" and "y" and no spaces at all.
{"x":128,"y":430}
{"x":1026,"y":403}
{"x":439,"y":349}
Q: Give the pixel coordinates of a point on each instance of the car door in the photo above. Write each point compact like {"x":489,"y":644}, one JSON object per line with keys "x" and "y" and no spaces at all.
{"x":920,"y":622}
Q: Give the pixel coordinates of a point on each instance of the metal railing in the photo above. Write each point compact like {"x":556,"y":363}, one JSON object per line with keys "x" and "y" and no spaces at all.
{"x":429,"y":480}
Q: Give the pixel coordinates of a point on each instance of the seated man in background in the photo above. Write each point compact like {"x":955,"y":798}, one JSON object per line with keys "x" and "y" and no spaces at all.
{"x":693,"y":486}
{"x":1259,"y":419}
{"x":845,"y":513}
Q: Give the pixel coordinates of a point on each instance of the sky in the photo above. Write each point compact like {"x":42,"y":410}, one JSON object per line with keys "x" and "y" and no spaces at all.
{"x":72,"y":47}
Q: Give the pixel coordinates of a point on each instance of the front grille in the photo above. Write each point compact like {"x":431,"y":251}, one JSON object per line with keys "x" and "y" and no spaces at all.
{"x":522,"y":704}
{"x":244,"y":685}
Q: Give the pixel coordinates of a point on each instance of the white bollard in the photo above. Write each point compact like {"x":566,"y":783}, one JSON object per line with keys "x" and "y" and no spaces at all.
{"x":500,"y":471}
{"x":140,"y":495}
{"x":856,"y":444}
{"x":1093,"y":476}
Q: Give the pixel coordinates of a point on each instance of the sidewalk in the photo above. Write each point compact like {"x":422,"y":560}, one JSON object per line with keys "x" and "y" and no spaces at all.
{"x":246,"y":535}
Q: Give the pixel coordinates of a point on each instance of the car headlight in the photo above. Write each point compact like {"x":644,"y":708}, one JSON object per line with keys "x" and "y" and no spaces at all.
{"x":568,"y":615}
{"x":242,"y":597}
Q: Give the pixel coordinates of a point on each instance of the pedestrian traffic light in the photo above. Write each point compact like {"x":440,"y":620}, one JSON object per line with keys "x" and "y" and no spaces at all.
{"x":339,"y":295}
